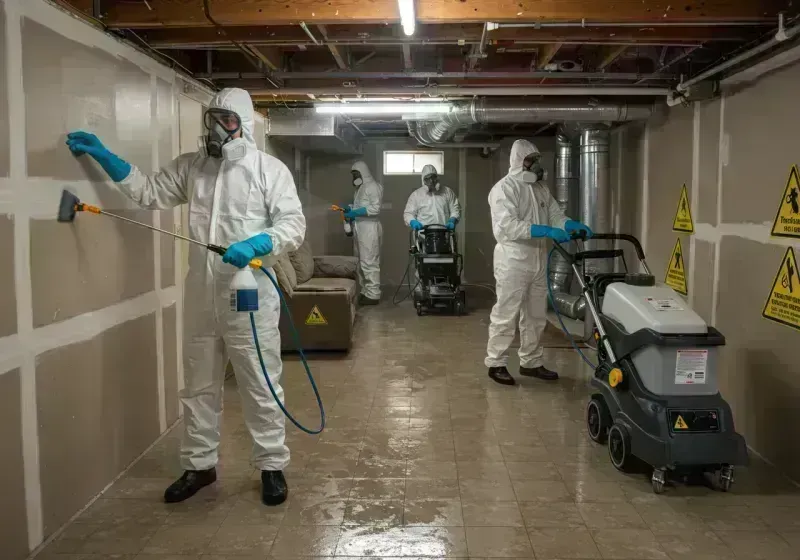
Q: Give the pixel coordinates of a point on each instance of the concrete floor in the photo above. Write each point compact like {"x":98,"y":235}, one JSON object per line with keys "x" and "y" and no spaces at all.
{"x":423,"y":456}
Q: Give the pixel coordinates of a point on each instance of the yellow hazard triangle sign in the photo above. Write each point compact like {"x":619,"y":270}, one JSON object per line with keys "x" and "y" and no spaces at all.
{"x":315,"y":317}
{"x":676,"y":271}
{"x":683,"y":215}
{"x":783,"y":303}
{"x":680,"y":424}
{"x":787,"y":218}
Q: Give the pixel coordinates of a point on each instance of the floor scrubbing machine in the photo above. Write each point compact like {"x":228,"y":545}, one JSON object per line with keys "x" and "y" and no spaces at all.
{"x":656,"y":393}
{"x":438,"y":264}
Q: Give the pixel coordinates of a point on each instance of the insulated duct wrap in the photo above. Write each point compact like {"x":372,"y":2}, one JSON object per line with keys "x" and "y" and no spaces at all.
{"x":566,"y":194}
{"x":595,"y":191}
{"x":491,"y":110}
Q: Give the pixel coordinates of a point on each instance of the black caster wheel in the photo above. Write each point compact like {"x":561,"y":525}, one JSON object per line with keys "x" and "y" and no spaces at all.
{"x":725,"y":478}
{"x":420,"y":310}
{"x":619,"y":448}
{"x":598,"y":419}
{"x":458,"y":307}
{"x":659,"y":480}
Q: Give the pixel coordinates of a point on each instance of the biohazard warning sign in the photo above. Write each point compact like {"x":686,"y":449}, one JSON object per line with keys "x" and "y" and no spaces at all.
{"x":787,"y":218}
{"x":676,"y":271}
{"x":680,"y":424}
{"x":783,"y":303}
{"x":315,"y":317}
{"x":683,"y":215}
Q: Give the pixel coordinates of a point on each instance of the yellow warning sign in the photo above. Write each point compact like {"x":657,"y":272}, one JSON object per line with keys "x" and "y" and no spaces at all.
{"x":680,"y":423}
{"x":683,"y":215}
{"x":315,"y":317}
{"x":676,"y":271}
{"x":783,"y":303}
{"x":787,"y":218}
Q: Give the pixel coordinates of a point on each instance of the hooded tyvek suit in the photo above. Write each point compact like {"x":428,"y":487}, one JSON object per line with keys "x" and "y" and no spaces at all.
{"x":369,"y":232}
{"x":242,"y":194}
{"x":431,"y":208}
{"x":520,"y":262}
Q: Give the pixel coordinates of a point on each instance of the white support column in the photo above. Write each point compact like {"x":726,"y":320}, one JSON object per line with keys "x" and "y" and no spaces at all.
{"x":694,"y":198}
{"x":22,"y":268}
{"x":645,"y":187}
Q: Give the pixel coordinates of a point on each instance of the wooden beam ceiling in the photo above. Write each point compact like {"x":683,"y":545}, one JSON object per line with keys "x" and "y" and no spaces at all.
{"x":546,"y":54}
{"x":609,"y":55}
{"x":177,"y":13}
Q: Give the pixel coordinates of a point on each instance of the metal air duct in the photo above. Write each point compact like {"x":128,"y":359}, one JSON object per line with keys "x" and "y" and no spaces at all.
{"x":494,"y":110}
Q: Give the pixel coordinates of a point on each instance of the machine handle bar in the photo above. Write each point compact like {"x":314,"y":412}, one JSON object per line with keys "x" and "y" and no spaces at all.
{"x":623,"y":237}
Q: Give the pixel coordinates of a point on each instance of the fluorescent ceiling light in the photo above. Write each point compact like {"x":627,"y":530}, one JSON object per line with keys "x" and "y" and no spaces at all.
{"x":408,"y":19}
{"x":383,"y":109}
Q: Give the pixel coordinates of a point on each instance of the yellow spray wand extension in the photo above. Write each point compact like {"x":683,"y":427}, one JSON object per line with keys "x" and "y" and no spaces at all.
{"x":70,"y":205}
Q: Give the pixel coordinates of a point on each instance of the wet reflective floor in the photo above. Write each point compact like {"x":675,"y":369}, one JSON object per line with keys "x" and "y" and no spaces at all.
{"x":425,"y":457}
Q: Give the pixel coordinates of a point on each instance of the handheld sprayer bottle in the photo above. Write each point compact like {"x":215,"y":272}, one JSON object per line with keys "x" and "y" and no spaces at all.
{"x":244,"y":291}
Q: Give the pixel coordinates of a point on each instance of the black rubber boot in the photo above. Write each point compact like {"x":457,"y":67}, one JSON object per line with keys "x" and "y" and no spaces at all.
{"x":188,"y":485}
{"x":274,"y":489}
{"x":364,"y":300}
{"x":501,"y":375}
{"x":540,"y":372}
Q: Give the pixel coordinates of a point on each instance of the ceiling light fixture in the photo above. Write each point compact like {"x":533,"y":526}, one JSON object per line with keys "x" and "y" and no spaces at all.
{"x":408,"y":19}
{"x":400,"y":109}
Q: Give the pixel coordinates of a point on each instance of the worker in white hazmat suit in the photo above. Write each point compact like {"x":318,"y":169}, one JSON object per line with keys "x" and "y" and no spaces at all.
{"x":363,"y":213}
{"x":245,"y":200}
{"x":432,"y":203}
{"x":524,"y":216}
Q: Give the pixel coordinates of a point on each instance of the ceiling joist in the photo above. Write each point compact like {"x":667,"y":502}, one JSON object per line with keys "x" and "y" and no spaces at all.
{"x":177,"y":13}
{"x":609,"y":55}
{"x":546,"y":54}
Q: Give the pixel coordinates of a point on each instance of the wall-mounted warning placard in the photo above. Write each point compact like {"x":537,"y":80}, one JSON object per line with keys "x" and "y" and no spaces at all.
{"x":683,"y":215}
{"x":676,"y":271}
{"x":787,"y":218}
{"x":783,"y":303}
{"x":315,"y":317}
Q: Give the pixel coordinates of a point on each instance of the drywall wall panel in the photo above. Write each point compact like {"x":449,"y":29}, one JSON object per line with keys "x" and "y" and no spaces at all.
{"x":166,"y":118}
{"x":8,"y":297}
{"x":760,"y":365}
{"x":708,"y":164}
{"x":670,"y":160}
{"x":478,"y":237}
{"x":4,"y":135}
{"x":761,"y":124}
{"x":97,"y":405}
{"x":703,"y":274}
{"x":167,"y":250}
{"x":330,"y":183}
{"x":170,"y":357}
{"x":69,"y":86}
{"x":631,"y":140}
{"x":88,"y":264}
{"x":190,"y":114}
{"x":13,"y":521}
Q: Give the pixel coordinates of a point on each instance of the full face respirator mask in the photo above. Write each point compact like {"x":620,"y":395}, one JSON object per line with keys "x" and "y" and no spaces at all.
{"x":222,"y":126}
{"x":532,"y":169}
{"x":432,"y":182}
{"x":357,"y":179}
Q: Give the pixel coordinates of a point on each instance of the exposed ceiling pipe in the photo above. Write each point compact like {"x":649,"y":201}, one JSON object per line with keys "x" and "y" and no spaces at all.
{"x":361,"y":75}
{"x":311,"y":36}
{"x":439,"y":91}
{"x":780,"y":36}
{"x":489,"y":111}
{"x":665,"y":65}
{"x":643,"y":24}
{"x":413,"y":130}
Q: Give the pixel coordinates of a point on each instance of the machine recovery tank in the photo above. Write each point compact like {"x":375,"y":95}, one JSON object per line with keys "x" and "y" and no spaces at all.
{"x":658,"y":307}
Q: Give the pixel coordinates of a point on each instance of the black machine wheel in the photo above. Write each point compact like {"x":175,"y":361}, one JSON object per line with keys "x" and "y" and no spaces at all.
{"x":598,"y":419}
{"x":725,"y":478}
{"x":420,"y":310}
{"x":458,"y":307}
{"x":619,"y":447}
{"x":658,"y":480}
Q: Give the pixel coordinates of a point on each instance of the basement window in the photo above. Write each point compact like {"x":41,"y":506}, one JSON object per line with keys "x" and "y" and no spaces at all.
{"x":411,"y":163}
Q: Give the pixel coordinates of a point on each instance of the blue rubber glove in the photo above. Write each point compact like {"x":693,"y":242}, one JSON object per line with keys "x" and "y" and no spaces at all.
{"x":354,"y":213}
{"x":573,"y":226}
{"x":555,"y":234}
{"x":86,"y":143}
{"x":240,"y":254}
{"x":451,"y":224}
{"x":415,"y":225}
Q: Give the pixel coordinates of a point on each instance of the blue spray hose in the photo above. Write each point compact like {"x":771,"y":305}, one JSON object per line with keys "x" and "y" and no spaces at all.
{"x":558,"y":315}
{"x":302,"y":358}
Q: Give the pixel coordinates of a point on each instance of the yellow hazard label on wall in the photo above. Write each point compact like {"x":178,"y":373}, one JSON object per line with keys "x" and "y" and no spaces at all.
{"x":676,"y":271}
{"x":683,"y":215}
{"x":680,"y":424}
{"x":315,"y":317}
{"x":787,"y":218}
{"x":783,"y":303}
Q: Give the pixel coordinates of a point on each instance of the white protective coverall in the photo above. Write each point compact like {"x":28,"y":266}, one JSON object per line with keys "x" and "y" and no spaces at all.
{"x":369,"y":232}
{"x":431,"y":208}
{"x":242,"y":194}
{"x":520,"y":262}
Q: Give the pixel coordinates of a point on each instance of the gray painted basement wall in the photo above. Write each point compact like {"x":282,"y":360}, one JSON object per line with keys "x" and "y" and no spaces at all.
{"x":736,"y":182}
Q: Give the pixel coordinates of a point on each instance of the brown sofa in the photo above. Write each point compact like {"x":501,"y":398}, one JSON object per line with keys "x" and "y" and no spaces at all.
{"x":321,"y":295}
